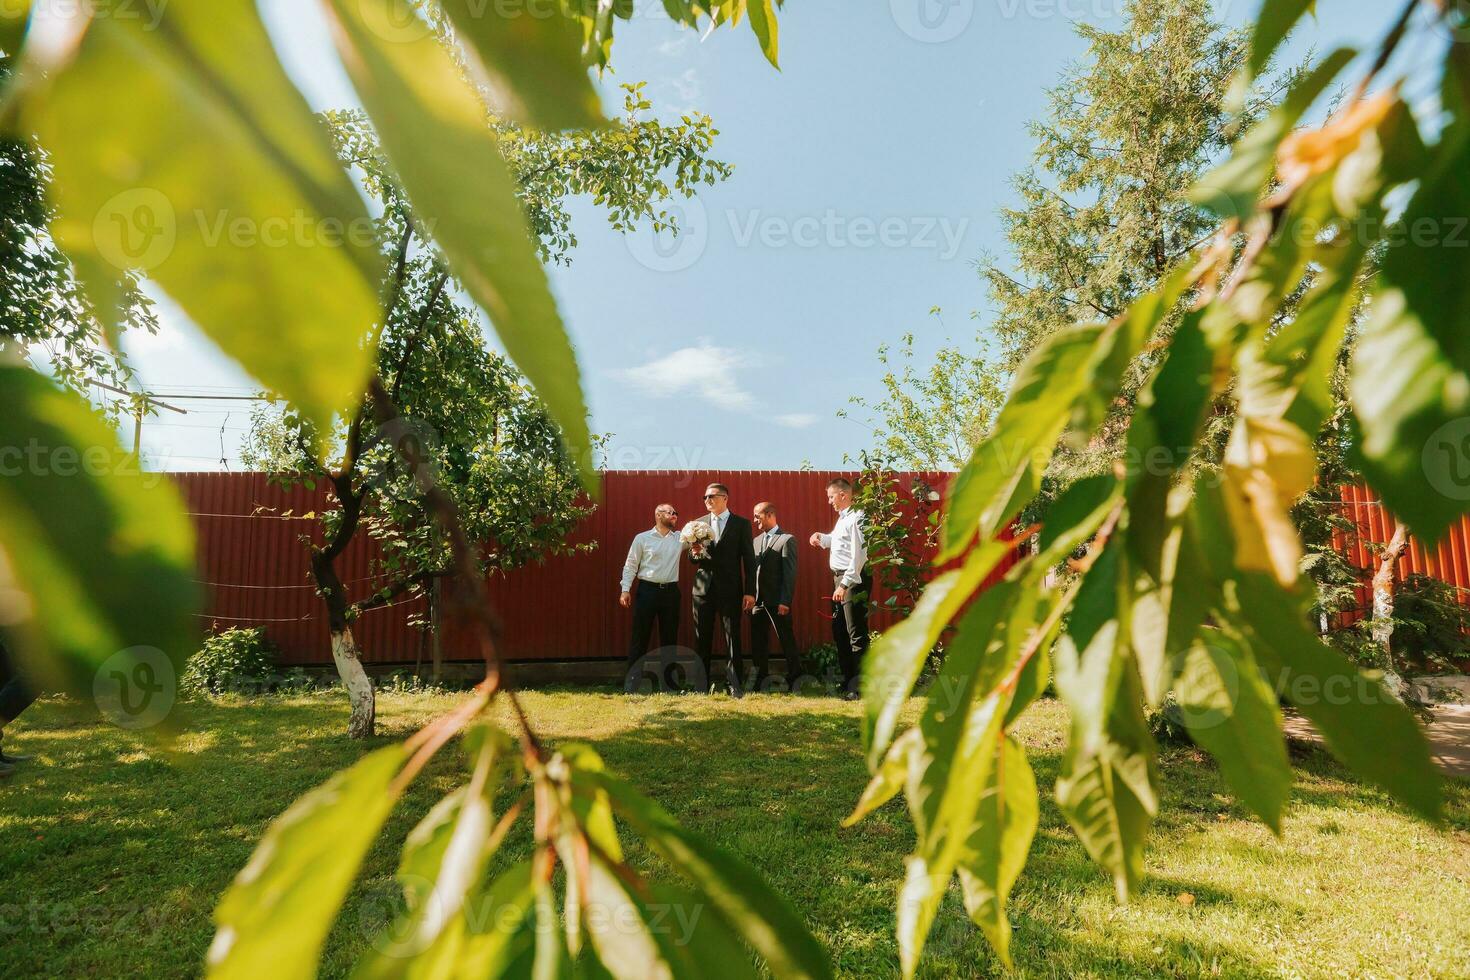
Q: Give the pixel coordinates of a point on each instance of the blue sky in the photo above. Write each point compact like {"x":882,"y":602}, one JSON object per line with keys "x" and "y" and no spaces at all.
{"x":868,"y":175}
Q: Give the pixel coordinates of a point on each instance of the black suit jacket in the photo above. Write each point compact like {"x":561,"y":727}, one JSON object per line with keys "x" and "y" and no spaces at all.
{"x":775,"y":569}
{"x":728,"y":568}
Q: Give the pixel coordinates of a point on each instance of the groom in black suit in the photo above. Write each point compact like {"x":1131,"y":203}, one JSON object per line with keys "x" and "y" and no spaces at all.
{"x":724,"y":584}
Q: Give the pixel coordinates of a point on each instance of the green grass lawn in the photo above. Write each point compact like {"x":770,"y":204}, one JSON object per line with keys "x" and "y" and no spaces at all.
{"x":115,"y":852}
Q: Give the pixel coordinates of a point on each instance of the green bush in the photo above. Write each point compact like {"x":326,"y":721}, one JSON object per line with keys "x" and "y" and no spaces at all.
{"x":235,"y":660}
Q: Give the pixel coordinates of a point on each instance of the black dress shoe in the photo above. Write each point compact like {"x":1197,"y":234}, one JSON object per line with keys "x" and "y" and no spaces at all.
{"x":7,"y":759}
{"x":6,"y":770}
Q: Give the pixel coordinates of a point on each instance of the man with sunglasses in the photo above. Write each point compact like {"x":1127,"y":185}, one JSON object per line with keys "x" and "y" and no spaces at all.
{"x":724,"y":583}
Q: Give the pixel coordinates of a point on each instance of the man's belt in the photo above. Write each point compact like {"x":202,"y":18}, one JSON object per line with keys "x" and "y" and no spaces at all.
{"x":659,"y":585}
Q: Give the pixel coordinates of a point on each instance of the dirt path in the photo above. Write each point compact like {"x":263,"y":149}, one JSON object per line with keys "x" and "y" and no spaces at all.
{"x":1449,"y":736}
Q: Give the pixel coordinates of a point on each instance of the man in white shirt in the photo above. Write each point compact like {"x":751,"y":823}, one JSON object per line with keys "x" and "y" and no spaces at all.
{"x":653,"y":566}
{"x":852,"y":584}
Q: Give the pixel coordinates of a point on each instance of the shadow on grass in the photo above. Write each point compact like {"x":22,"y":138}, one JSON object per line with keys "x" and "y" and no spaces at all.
{"x":119,"y":856}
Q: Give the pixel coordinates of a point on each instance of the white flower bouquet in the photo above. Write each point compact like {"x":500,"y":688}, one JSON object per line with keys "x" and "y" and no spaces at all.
{"x":697,"y":536}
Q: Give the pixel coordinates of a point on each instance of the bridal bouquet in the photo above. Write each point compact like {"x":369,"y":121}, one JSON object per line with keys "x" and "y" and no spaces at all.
{"x":698,"y":535}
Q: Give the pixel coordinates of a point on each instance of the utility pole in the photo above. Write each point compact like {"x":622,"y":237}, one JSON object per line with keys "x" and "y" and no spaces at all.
{"x":141,"y":400}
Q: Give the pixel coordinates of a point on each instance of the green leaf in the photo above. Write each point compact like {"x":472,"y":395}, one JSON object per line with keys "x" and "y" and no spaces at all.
{"x":893,"y":663}
{"x":96,"y":557}
{"x":1232,"y":713}
{"x":734,"y":891}
{"x":763,"y":23}
{"x":1274,"y":22}
{"x":1410,"y":381}
{"x":1232,"y":189}
{"x":1004,"y":471}
{"x":13,"y":17}
{"x":1363,"y":724}
{"x":889,"y":778}
{"x":231,"y":200}
{"x":1108,"y":786}
{"x":703,"y":946}
{"x":532,"y":63}
{"x":500,"y":927}
{"x":275,"y":916}
{"x":437,"y":135}
{"x":1005,"y":823}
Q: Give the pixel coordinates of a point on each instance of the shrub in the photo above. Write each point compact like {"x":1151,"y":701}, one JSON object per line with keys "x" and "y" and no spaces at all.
{"x":232,"y":660}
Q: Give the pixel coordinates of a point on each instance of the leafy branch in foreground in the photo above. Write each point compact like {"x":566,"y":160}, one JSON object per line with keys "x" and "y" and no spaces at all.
{"x":1190,"y":583}
{"x":462,"y":921}
{"x":233,"y":204}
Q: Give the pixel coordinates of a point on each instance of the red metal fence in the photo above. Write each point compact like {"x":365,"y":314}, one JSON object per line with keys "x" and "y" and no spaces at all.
{"x":254,"y":564}
{"x":1448,"y":561}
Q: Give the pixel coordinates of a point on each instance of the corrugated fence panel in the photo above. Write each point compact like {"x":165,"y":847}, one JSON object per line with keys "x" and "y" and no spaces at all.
{"x":1373,"y":526}
{"x":255,"y":564}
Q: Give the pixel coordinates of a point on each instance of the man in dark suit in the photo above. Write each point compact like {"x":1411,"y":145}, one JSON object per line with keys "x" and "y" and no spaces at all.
{"x":775,"y":587}
{"x":16,"y":695}
{"x":724,"y":583}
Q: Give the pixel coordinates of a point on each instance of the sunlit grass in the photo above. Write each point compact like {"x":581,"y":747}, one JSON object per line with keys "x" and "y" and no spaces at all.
{"x":116,"y":850}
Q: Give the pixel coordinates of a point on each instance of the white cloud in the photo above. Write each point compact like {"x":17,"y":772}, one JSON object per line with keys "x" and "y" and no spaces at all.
{"x":687,"y":91}
{"x":795,"y":420}
{"x":674,"y":46}
{"x":705,"y":371}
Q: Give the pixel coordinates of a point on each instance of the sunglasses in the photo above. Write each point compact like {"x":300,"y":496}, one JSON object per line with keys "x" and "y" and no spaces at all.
{"x":712,"y":496}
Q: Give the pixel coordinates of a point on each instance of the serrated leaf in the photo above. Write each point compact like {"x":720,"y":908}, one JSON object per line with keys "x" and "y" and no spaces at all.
{"x":437,"y":135}
{"x":532,"y":63}
{"x":890,"y":777}
{"x":231,"y":201}
{"x":762,"y":917}
{"x":1005,"y":469}
{"x":763,"y":23}
{"x":1273,"y":23}
{"x":1232,"y":189}
{"x":96,"y":557}
{"x":1363,"y":724}
{"x":1005,"y":823}
{"x":893,"y":663}
{"x":1108,"y":786}
{"x":1232,"y":713}
{"x":1410,"y":376}
{"x":275,"y":916}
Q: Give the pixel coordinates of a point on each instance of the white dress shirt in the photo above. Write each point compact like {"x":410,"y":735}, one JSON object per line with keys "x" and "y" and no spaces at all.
{"x":653,"y":555}
{"x":849,"y":552}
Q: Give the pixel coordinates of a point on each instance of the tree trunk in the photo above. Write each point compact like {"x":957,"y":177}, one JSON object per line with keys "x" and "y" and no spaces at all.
{"x":359,"y":686}
{"x":1384,"y":578}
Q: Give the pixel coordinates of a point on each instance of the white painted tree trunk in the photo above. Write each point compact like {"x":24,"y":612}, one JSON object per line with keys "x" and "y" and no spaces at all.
{"x":359,"y":685}
{"x":1384,"y":580}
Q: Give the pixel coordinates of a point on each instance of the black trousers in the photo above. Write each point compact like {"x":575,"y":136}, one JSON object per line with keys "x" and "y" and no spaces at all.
{"x":850,"y":629}
{"x":652,"y":603}
{"x":763,"y":621}
{"x":708,"y":608}
{"x":15,"y":694}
